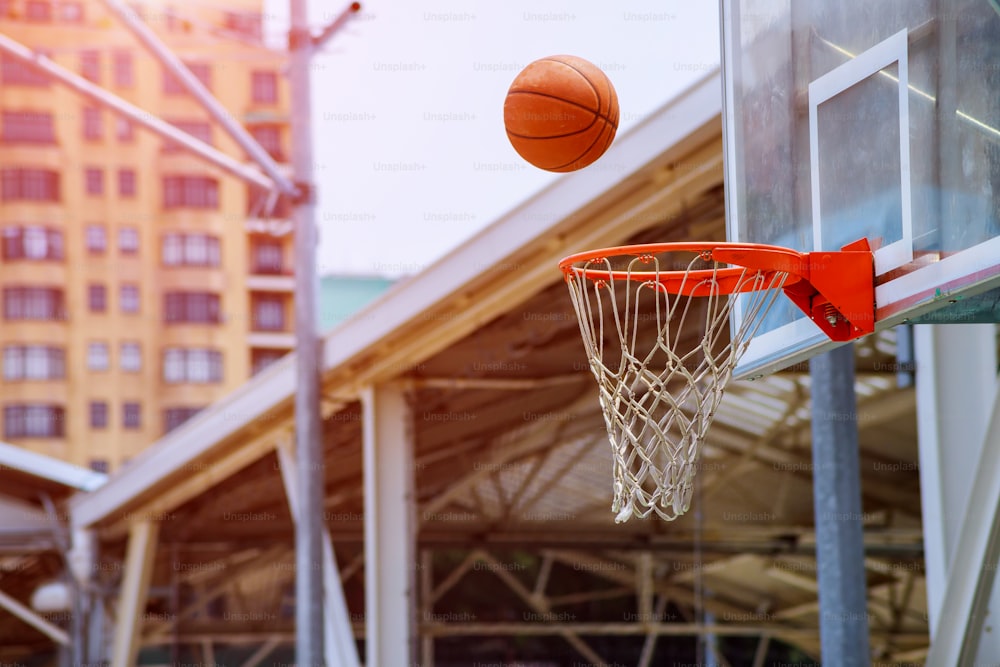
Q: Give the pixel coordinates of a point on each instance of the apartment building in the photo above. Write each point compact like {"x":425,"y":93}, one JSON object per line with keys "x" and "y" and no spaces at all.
{"x":139,"y":284}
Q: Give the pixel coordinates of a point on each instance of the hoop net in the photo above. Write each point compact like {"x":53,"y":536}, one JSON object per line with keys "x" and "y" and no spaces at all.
{"x":657,"y":344}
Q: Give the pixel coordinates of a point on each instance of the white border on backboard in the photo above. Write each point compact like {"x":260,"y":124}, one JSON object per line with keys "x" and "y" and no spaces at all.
{"x":835,"y":82}
{"x":800,"y":339}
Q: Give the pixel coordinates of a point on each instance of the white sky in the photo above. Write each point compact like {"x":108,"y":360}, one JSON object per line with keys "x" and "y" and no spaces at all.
{"x":411,"y":153}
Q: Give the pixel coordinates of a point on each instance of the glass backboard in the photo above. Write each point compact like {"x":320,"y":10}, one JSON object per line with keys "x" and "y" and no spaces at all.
{"x":881,"y":120}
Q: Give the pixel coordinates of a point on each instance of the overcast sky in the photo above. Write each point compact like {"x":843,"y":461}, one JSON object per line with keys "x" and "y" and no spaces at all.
{"x":411,"y":153}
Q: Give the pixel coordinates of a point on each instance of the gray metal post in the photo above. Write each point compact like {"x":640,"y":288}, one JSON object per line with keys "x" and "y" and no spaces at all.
{"x":837,"y":498}
{"x":309,"y":443}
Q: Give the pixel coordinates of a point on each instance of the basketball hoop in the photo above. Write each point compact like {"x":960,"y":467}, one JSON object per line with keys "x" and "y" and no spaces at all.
{"x":660,"y":384}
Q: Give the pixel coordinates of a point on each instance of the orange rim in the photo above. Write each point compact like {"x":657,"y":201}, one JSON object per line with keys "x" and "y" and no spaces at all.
{"x":765,"y":260}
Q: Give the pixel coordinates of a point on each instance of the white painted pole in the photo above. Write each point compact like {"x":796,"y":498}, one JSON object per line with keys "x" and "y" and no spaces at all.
{"x":956,"y":382}
{"x":139,"y":556}
{"x":390,"y":533}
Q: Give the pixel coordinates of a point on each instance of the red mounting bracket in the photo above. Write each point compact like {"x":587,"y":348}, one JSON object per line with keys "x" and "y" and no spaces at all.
{"x":837,"y":291}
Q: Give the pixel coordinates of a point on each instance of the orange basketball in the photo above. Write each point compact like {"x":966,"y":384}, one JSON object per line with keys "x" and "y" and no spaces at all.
{"x":561,"y":113}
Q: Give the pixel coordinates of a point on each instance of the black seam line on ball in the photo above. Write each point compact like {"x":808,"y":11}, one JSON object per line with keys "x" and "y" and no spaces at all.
{"x":568,"y":134}
{"x":596,"y":112}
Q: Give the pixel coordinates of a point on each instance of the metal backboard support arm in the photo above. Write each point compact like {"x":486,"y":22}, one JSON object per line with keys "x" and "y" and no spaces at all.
{"x":133,"y":113}
{"x":191,"y":83}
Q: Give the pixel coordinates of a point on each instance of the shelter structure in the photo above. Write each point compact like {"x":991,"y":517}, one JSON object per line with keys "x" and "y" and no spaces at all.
{"x":34,"y":547}
{"x":465,"y":450}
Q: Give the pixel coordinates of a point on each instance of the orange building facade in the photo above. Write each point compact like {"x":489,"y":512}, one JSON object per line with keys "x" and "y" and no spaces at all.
{"x":138,"y":283}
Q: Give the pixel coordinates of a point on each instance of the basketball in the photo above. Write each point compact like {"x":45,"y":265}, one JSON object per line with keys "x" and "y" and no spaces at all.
{"x":561,"y":113}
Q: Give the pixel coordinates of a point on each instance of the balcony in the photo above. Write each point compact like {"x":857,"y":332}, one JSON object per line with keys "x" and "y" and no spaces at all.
{"x":271,"y":283}
{"x":272,"y":340}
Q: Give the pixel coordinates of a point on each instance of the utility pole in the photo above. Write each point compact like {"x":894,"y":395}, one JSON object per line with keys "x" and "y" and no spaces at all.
{"x":308,"y":426}
{"x":840,"y":553}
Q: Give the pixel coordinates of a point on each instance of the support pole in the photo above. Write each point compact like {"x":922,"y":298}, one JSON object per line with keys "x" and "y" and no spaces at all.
{"x":837,"y":498}
{"x":390,"y":533}
{"x":338,"y":639}
{"x":956,"y":389}
{"x":35,"y":620}
{"x":309,"y":650}
{"x":967,"y":605}
{"x":139,"y":557}
{"x":81,"y":561}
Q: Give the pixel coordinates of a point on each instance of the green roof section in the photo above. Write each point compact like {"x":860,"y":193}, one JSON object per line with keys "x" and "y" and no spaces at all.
{"x":342,"y":296}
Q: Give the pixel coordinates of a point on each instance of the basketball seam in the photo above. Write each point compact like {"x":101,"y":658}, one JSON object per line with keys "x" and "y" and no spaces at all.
{"x":589,"y":148}
{"x":596,"y":112}
{"x":561,"y":136}
{"x":597,"y":115}
{"x":600,"y":101}
{"x":585,"y":78}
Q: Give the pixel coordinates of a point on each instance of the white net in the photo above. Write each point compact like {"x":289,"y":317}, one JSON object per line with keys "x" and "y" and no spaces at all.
{"x":658,"y":346}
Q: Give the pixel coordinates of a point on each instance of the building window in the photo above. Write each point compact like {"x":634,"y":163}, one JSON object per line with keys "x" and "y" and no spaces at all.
{"x":264,"y":86}
{"x":129,"y":298}
{"x":94,"y":180}
{"x":249,"y":24}
{"x":130,"y":357}
{"x":31,"y":242}
{"x":96,"y":237}
{"x":97,"y":298}
{"x":201,"y":71}
{"x":191,"y":308}
{"x":126,"y":182}
{"x":38,"y":10}
{"x":33,"y":420}
{"x":98,"y":414}
{"x":174,"y":366}
{"x":267,"y":257}
{"x":173,"y":249}
{"x":190,"y":192}
{"x":190,"y":250}
{"x":122,"y":68}
{"x":128,"y":240}
{"x":124,"y":129}
{"x":262,"y":358}
{"x":174,"y":417}
{"x":90,"y":65}
{"x":269,"y":138}
{"x":192,"y":365}
{"x":15,"y":72}
{"x":93,"y":124}
{"x":259,"y":199}
{"x":24,"y":184}
{"x":70,"y":12}
{"x":268,"y":312}
{"x":200,"y":130}
{"x":131,"y":415}
{"x":98,"y":357}
{"x":99,"y":465}
{"x":33,"y":362}
{"x":33,"y":303}
{"x":27,"y":127}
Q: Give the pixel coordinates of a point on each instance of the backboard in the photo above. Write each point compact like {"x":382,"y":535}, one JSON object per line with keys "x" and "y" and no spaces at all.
{"x":854,"y":119}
